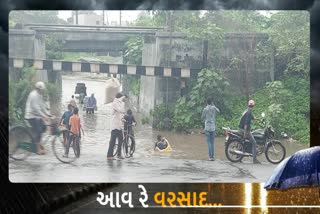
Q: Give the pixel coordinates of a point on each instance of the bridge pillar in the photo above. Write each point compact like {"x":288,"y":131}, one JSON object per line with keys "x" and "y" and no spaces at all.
{"x":148,"y":86}
{"x":28,"y":44}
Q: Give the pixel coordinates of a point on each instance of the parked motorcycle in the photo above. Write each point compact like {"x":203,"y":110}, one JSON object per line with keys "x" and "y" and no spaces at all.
{"x":236,"y":147}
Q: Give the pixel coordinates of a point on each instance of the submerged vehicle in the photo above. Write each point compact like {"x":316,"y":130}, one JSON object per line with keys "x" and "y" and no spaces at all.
{"x":236,"y":147}
{"x":81,"y":89}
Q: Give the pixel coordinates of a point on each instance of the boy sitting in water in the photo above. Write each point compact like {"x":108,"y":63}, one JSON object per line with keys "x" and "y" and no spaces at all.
{"x":161,"y":144}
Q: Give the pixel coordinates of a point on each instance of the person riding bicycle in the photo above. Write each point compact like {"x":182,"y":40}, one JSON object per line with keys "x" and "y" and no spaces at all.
{"x":245,"y":127}
{"x":161,"y":144}
{"x":35,"y":114}
{"x":75,"y":125}
{"x":65,"y":121}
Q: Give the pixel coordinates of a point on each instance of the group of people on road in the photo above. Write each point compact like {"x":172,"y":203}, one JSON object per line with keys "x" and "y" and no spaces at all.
{"x":70,"y":121}
{"x":36,"y":112}
{"x":209,"y":118}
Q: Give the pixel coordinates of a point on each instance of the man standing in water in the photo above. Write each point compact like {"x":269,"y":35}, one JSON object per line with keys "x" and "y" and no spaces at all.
{"x":118,"y":110}
{"x":91,"y":104}
{"x":209,"y":117}
{"x":245,"y":127}
{"x":73,"y":102}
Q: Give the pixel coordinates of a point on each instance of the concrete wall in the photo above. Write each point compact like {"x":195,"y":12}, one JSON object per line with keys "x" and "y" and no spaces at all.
{"x":184,"y":53}
{"x":21,"y":43}
{"x":28,"y":44}
{"x":148,"y":84}
{"x":156,"y":52}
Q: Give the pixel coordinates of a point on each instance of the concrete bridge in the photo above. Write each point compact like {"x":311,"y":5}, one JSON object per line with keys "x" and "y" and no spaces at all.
{"x":83,"y":38}
{"x":168,"y":60}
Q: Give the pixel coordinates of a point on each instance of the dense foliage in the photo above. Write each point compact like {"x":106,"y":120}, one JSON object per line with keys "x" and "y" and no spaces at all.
{"x":285,"y":100}
{"x":19,"y":89}
{"x":54,"y":47}
{"x":32,"y":16}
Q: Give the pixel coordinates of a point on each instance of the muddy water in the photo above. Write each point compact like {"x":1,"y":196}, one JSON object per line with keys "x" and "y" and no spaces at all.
{"x":97,"y":129}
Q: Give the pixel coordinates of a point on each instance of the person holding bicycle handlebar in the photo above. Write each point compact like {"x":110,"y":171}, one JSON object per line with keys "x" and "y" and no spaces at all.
{"x":118,"y":110}
{"x":36,"y":113}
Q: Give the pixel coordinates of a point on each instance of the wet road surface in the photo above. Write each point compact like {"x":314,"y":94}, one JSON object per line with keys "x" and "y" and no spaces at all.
{"x":187,"y":162}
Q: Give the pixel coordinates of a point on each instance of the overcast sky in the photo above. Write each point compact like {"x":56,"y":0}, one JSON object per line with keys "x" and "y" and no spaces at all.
{"x":113,"y":15}
{"x":126,"y":15}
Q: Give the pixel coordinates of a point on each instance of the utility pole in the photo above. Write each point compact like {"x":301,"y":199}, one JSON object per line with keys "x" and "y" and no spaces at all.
{"x":120,"y":17}
{"x":102,"y":17}
{"x":170,"y":22}
{"x":76,"y":17}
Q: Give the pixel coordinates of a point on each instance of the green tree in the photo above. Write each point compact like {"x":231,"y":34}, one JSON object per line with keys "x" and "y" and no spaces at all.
{"x":34,"y":16}
{"x":210,"y":83}
{"x":290,"y":34}
{"x":133,"y":51}
{"x":54,"y":47}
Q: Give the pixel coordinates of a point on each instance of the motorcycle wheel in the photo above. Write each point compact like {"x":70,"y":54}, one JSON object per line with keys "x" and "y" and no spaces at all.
{"x":230,"y":147}
{"x":275,"y":152}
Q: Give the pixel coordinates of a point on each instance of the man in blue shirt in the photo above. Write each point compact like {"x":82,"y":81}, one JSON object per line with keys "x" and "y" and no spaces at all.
{"x":65,"y":121}
{"x":209,"y":117}
{"x":245,"y":127}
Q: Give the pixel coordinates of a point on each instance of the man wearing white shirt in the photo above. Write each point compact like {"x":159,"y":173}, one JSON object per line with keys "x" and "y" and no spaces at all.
{"x":118,"y":111}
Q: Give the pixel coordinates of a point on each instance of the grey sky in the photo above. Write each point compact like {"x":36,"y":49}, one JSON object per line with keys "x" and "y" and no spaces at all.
{"x":129,"y":15}
{"x":113,"y":15}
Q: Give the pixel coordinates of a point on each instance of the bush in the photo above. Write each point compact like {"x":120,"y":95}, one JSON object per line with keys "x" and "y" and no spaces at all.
{"x":161,"y":116}
{"x":145,"y":120}
{"x":20,"y":88}
{"x":285,"y":102}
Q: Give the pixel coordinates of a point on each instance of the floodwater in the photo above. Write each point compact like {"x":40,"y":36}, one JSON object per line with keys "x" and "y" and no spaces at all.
{"x":97,"y":127}
{"x":187,"y":162}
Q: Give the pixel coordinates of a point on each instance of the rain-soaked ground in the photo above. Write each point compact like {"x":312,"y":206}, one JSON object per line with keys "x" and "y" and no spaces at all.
{"x":187,"y":162}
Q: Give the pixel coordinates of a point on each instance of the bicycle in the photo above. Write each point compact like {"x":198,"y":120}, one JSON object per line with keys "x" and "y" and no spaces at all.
{"x":22,"y":143}
{"x":74,"y":140}
{"x":128,"y":144}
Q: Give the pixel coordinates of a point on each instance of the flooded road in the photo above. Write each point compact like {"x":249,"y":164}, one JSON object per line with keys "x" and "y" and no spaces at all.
{"x":187,"y":162}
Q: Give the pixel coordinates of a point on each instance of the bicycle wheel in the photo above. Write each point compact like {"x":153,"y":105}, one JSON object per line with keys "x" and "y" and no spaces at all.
{"x":21,"y":143}
{"x":128,"y":147}
{"x":59,"y":147}
{"x":76,"y":146}
{"x":132,"y":145}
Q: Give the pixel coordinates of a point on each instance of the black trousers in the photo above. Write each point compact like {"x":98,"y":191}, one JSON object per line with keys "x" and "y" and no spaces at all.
{"x":114,"y":135}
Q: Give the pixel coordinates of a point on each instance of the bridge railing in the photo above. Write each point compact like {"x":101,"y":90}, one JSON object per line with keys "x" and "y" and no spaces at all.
{"x":97,"y":67}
